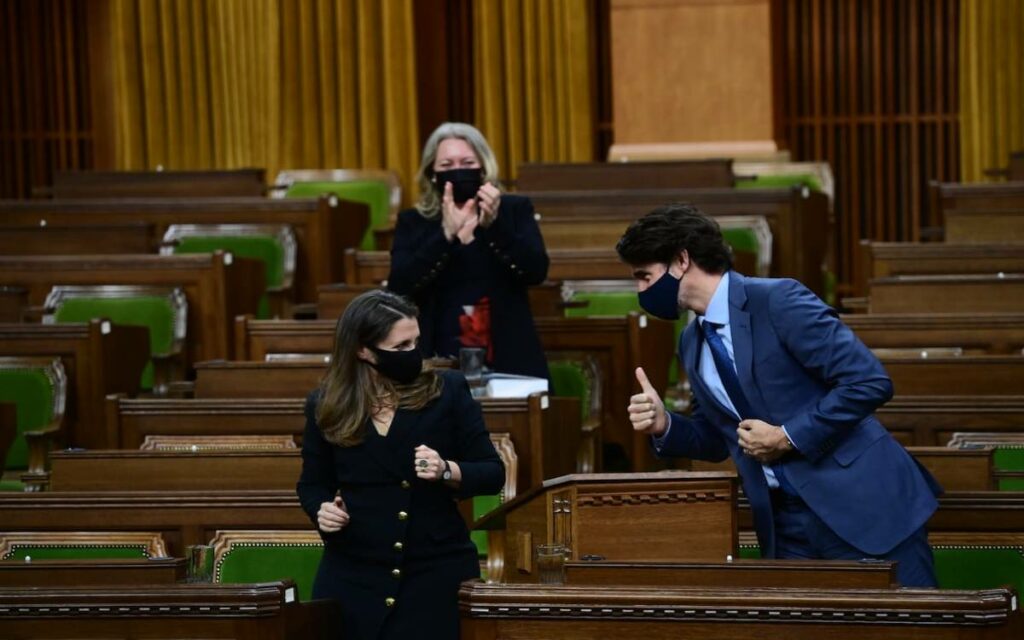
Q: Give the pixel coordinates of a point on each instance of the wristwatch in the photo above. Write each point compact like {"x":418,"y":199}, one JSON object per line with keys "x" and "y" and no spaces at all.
{"x":447,"y":474}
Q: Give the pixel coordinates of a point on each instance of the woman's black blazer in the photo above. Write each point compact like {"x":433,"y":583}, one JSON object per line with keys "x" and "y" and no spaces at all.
{"x":420,"y":253}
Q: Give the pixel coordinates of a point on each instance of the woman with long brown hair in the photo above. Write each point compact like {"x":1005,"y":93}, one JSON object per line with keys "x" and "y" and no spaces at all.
{"x":389,"y":447}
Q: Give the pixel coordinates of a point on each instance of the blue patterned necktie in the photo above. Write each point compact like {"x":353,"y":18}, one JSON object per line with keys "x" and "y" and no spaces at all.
{"x":731,"y":382}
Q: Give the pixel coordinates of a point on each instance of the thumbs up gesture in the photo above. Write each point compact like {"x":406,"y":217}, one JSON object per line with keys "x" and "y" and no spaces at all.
{"x":646,"y":410}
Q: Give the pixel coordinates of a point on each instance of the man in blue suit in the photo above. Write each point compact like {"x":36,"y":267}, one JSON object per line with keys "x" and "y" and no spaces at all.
{"x":782,"y":386}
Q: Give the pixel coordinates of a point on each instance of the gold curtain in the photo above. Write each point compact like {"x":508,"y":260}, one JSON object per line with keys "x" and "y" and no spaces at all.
{"x":534,"y":80}
{"x":991,"y":84}
{"x":300,"y":84}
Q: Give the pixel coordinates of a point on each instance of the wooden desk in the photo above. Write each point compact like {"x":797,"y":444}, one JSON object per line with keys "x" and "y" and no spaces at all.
{"x":932,"y":420}
{"x":333,"y":299}
{"x":526,"y":611}
{"x":78,"y":239}
{"x":265,"y":611}
{"x":966,"y":375}
{"x":740,"y":573}
{"x":884,"y":259}
{"x":119,"y":470}
{"x":947,"y":293}
{"x":978,"y":333}
{"x":98,"y":358}
{"x":985,"y":226}
{"x":679,"y":174}
{"x":217,"y":287}
{"x":160,"y":184}
{"x":88,"y":573}
{"x":323,"y":227}
{"x":182,"y":518}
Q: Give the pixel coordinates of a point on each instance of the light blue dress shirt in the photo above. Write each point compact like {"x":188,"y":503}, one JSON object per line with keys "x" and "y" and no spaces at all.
{"x":718,"y":313}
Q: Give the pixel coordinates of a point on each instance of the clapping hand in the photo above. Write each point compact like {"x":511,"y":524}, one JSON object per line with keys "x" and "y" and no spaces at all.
{"x":458,"y":221}
{"x":490,"y":200}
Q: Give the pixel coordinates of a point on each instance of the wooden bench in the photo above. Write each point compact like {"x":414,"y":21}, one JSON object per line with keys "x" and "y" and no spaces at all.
{"x":160,"y":184}
{"x":798,"y":219}
{"x":683,"y":174}
{"x":740,"y":573}
{"x":218,"y":287}
{"x":619,"y":344}
{"x":976,"y":196}
{"x":932,"y":420}
{"x":332,"y":299}
{"x":98,"y":358}
{"x":884,"y":259}
{"x":992,"y":333}
{"x":947,"y":293}
{"x":545,"y":430}
{"x":61,"y":239}
{"x":323,"y":227}
{"x":89,"y":573}
{"x":984,"y":226}
{"x":955,"y":469}
{"x":533,"y":611}
{"x":112,"y":469}
{"x":263,"y":611}
{"x":964,"y":375}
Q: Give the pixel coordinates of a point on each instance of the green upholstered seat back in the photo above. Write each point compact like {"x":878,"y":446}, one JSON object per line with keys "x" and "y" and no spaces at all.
{"x":265,"y":561}
{"x":31,"y":390}
{"x":1009,"y":458}
{"x":568,"y":379}
{"x":153,"y":312}
{"x":742,"y":239}
{"x":266,"y":249}
{"x":972,"y":567}
{"x":375,"y":194}
{"x":51,"y":551}
{"x":783,"y":181}
{"x":482,"y":505}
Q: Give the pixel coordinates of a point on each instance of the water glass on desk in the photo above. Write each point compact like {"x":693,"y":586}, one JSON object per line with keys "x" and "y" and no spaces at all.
{"x":471,"y":362}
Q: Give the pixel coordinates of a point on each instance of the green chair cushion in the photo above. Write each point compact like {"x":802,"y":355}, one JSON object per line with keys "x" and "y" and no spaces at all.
{"x":750,"y":553}
{"x":377,"y":195}
{"x":264,"y":562}
{"x":569,"y":380}
{"x":774,"y":182}
{"x":979,"y":568}
{"x":266,"y":249}
{"x":482,"y":505}
{"x":152,"y":312}
{"x":31,"y":392}
{"x":12,"y":485}
{"x":741,"y":239}
{"x":1008,"y":458}
{"x":75,"y":552}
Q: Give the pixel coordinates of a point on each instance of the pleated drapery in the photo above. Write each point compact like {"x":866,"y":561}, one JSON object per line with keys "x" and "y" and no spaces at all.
{"x":270,"y":83}
{"x":534,"y":80}
{"x":991,"y":84}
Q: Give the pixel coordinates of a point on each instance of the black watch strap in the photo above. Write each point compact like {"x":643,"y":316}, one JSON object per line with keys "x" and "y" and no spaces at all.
{"x":447,"y":474}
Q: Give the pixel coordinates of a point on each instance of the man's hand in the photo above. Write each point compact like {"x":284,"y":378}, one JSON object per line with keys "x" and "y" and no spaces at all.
{"x":763,"y":442}
{"x":646,"y":410}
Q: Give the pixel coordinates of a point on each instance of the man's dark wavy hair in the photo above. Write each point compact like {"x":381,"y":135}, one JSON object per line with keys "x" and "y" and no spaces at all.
{"x":662,"y":234}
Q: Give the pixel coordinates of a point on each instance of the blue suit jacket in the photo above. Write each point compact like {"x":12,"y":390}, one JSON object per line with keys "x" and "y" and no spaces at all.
{"x":801,"y":367}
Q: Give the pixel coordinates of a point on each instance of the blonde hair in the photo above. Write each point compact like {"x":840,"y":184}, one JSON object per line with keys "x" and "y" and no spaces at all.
{"x":429,"y":204}
{"x":350,"y":393}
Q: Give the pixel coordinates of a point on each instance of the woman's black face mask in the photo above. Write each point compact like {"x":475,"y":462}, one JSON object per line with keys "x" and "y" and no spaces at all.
{"x":401,"y":366}
{"x":465,"y":183}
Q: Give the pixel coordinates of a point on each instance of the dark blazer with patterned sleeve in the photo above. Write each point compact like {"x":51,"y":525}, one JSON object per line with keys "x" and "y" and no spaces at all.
{"x":405,"y":534}
{"x":419,"y":259}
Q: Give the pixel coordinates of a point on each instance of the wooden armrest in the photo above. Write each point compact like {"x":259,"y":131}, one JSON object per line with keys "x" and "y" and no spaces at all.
{"x":856,"y":304}
{"x":40,"y":443}
{"x":167,"y":369}
{"x":181,"y":389}
{"x":34,"y":315}
{"x":304,"y":311}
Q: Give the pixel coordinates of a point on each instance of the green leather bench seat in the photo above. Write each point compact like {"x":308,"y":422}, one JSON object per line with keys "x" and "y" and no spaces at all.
{"x":152,"y":312}
{"x":32,"y":392}
{"x":374,"y":194}
{"x":1009,"y":458}
{"x":266,"y":249}
{"x":268,"y":561}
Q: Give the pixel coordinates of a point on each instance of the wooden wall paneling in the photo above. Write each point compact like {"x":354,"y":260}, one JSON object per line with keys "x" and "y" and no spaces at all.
{"x":870,"y":88}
